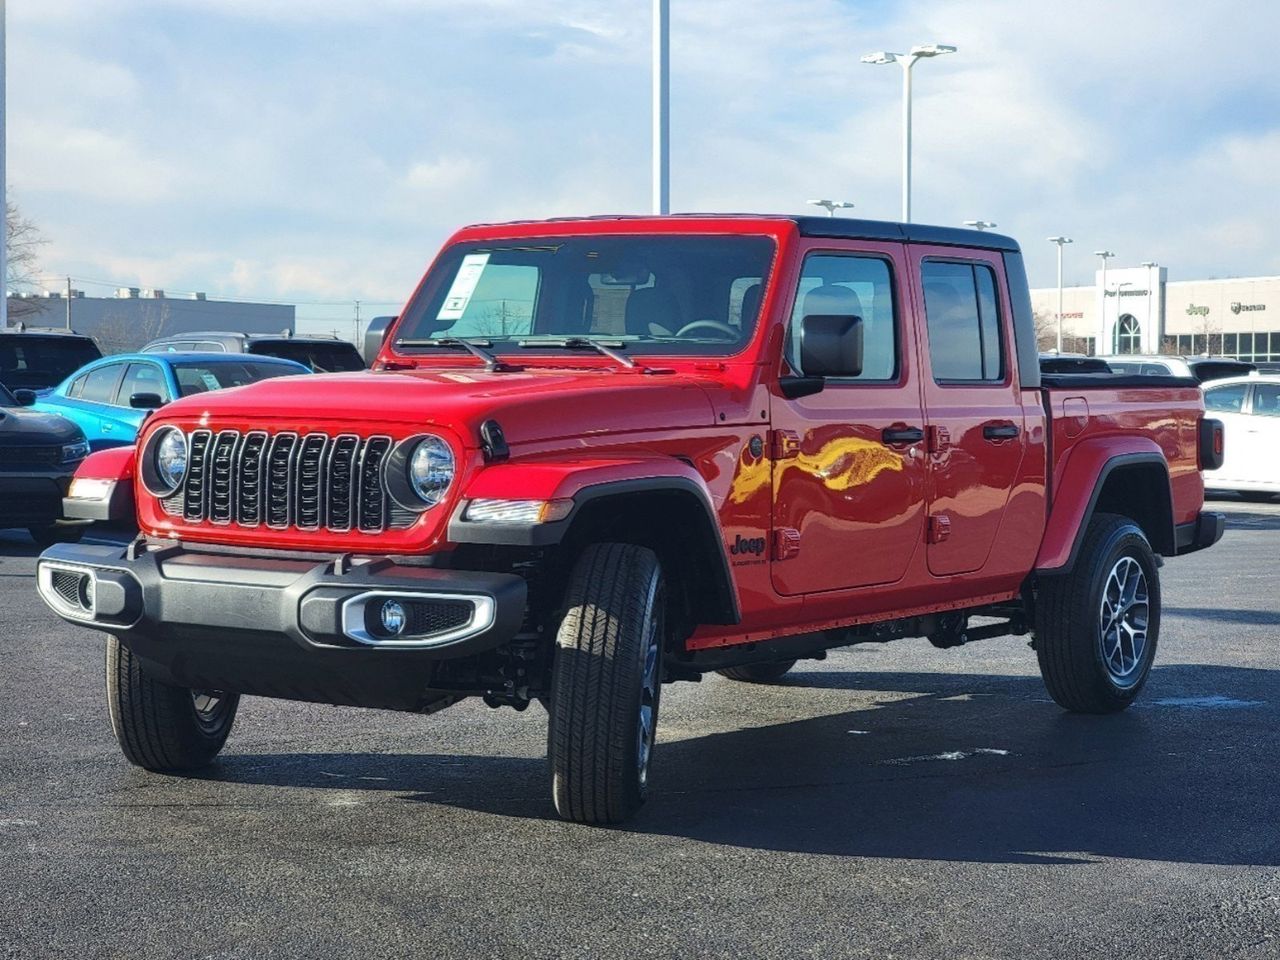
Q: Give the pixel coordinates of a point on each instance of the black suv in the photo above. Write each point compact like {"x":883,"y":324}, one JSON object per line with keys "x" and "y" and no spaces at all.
{"x":41,"y":358}
{"x":39,"y":453}
{"x":323,"y":354}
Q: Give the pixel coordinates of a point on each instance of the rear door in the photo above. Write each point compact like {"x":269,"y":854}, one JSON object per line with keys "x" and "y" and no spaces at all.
{"x":94,"y":404}
{"x":977,"y":438}
{"x":848,"y":462}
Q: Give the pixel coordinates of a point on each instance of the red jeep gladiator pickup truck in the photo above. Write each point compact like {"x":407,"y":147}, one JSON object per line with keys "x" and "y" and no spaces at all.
{"x":597,"y":455}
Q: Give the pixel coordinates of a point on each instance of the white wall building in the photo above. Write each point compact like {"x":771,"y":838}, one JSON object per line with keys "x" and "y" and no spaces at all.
{"x":1139,"y":310}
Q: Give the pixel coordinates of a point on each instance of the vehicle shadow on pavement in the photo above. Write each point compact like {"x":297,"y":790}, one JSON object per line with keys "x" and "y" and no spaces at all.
{"x":937,"y":767}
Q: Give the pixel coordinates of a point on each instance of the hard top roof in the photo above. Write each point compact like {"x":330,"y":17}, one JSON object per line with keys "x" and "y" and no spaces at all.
{"x":811,"y":226}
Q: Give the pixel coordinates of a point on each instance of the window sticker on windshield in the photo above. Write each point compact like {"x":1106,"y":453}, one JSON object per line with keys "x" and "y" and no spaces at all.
{"x":464,"y":285}
{"x":210,"y":381}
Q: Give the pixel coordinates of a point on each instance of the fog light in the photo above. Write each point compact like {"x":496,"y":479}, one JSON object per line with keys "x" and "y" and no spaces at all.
{"x":392,"y":617}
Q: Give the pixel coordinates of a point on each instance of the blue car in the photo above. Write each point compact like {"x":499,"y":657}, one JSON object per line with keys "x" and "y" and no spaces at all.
{"x":109,"y":398}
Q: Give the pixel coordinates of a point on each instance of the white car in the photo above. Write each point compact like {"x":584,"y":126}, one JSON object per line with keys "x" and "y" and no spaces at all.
{"x":1249,"y":408}
{"x":1200,"y":368}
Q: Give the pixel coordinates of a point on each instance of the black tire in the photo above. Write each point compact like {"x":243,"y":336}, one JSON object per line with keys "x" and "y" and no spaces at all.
{"x":758,"y":672}
{"x":1256,"y":496}
{"x":159,"y":726}
{"x":606,"y":684}
{"x":1086,"y":664}
{"x":48,"y":536}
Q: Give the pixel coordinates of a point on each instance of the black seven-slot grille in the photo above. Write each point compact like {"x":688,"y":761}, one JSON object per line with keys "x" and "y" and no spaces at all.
{"x":308,"y":481}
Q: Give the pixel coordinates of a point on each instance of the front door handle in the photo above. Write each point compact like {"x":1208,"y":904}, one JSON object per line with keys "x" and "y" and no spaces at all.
{"x":1000,"y":431}
{"x":896,"y":435}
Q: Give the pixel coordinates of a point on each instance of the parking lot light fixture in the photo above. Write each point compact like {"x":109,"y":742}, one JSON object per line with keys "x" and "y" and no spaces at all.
{"x":981,"y":225}
{"x":1105,"y":255}
{"x":1061,"y":242}
{"x":831,"y":206}
{"x":908,"y":60}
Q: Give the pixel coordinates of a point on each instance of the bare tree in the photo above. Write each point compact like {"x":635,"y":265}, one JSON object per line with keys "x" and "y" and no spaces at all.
{"x":23,"y":248}
{"x":125,"y":332}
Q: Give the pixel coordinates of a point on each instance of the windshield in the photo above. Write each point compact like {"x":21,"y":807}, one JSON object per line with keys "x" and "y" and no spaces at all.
{"x":338,"y":357}
{"x":194,"y":377}
{"x":645,"y":294}
{"x":39,"y":362}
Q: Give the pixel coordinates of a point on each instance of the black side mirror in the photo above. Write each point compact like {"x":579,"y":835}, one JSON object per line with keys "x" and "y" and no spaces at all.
{"x":25,"y":398}
{"x":828,"y":345}
{"x":146,"y":401}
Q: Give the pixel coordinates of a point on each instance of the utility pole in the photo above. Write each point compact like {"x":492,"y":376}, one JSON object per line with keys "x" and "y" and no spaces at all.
{"x":68,"y":303}
{"x":357,"y":339}
{"x":661,"y":107}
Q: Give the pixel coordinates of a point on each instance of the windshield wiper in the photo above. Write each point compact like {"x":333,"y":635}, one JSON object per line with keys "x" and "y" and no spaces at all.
{"x":473,"y":347}
{"x":578,"y":343}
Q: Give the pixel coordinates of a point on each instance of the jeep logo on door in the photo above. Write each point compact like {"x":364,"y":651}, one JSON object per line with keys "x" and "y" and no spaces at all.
{"x":747,"y":546}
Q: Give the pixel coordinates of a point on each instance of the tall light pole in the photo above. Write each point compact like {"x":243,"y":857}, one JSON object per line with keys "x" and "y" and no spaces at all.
{"x":907,"y":61}
{"x":4,"y":198}
{"x":1061,"y":242}
{"x":981,"y":225}
{"x":831,"y":206}
{"x":661,"y":107}
{"x":1151,"y":290}
{"x":1104,"y":255}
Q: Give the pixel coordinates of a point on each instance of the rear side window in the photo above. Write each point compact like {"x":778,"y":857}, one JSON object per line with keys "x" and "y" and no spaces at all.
{"x":1228,"y":399}
{"x":100,"y":384}
{"x":860,"y":286}
{"x":1266,"y":399}
{"x":963,"y":316}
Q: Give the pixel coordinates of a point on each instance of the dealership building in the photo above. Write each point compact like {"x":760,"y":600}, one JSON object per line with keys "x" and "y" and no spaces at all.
{"x":1139,"y":310}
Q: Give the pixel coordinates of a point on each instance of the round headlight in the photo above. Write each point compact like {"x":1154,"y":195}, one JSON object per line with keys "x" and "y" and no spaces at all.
{"x":171,"y":459}
{"x":431,"y":470}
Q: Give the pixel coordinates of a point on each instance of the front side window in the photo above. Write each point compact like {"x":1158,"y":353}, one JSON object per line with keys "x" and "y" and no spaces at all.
{"x":1266,"y":399}
{"x":850,"y":285}
{"x":100,"y":384}
{"x":647,"y":294}
{"x":963,"y":318}
{"x":1229,"y":399}
{"x":142,"y":378}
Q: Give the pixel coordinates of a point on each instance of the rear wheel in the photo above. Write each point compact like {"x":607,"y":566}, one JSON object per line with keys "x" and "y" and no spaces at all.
{"x":758,"y":672}
{"x":159,"y":726}
{"x":606,"y":684}
{"x":1097,"y":626}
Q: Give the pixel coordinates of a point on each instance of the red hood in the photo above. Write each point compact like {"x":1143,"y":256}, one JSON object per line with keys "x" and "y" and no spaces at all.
{"x":531,"y":405}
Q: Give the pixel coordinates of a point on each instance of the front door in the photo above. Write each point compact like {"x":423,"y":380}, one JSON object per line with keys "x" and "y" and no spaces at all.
{"x":976,"y":431}
{"x":848,"y":462}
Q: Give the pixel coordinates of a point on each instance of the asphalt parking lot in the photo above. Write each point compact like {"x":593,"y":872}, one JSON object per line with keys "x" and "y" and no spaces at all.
{"x":893,"y":801}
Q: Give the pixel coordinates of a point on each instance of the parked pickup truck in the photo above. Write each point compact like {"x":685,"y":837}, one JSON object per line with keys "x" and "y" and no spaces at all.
{"x":599,"y":455}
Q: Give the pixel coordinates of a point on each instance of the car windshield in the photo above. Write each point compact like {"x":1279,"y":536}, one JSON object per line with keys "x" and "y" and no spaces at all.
{"x":36,"y":362}
{"x":337,"y":357}
{"x":644,"y":294}
{"x":194,"y":377}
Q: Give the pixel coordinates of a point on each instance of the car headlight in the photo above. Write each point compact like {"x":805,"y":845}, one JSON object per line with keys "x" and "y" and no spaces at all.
{"x":431,"y":469}
{"x":74,"y":451}
{"x":170,"y":459}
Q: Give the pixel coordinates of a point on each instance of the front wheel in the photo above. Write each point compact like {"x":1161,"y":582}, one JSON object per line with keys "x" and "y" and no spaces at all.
{"x":606,"y":684}
{"x":159,"y":726}
{"x":1097,"y":626}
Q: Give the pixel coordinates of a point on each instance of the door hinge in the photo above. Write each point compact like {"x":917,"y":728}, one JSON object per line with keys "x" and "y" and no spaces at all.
{"x":786,"y":543}
{"x":939,"y":527}
{"x":939,"y":439}
{"x":783,"y":444}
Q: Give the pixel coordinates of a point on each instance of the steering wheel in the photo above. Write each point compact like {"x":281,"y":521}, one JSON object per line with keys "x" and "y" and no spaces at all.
{"x":710,"y":324}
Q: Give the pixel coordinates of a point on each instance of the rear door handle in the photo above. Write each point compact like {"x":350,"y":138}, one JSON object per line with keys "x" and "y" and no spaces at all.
{"x":896,"y":435}
{"x":1000,"y":431}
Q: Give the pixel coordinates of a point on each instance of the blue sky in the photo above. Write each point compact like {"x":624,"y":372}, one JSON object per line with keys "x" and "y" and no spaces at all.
{"x":316,"y":150}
